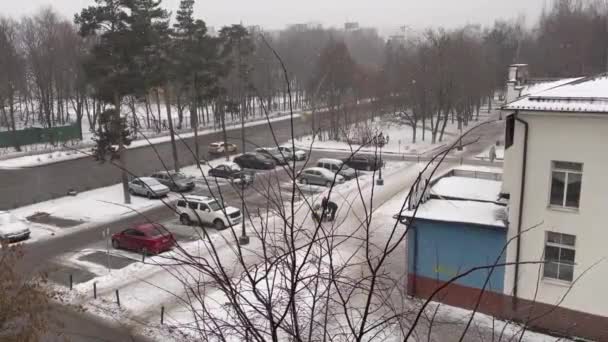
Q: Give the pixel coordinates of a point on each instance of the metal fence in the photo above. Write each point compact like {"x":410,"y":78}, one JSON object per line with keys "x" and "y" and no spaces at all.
{"x":39,"y":135}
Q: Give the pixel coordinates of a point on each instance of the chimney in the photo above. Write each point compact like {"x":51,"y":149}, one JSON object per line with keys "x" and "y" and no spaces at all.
{"x":517,"y":79}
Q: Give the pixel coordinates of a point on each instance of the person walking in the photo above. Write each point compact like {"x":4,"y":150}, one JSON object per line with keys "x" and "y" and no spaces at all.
{"x":330,"y":208}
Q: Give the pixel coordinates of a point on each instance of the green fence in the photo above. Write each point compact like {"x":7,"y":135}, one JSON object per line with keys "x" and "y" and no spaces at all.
{"x":37,"y":135}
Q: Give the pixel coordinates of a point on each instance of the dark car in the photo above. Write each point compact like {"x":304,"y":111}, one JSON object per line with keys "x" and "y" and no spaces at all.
{"x":255,"y":161}
{"x":274,"y":154}
{"x":149,"y":238}
{"x":176,"y":181}
{"x":232,"y":171}
{"x":362,"y":162}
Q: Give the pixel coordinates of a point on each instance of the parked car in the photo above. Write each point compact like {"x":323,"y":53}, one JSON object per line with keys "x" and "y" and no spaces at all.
{"x":12,"y":229}
{"x":319,"y":176}
{"x":209,"y":210}
{"x":220,"y":147}
{"x":273,"y":154}
{"x":148,"y":186}
{"x":337,"y":166}
{"x":252,"y":160}
{"x":297,"y":154}
{"x":363,"y":162}
{"x":176,"y":181}
{"x":232,"y":171}
{"x":149,"y":238}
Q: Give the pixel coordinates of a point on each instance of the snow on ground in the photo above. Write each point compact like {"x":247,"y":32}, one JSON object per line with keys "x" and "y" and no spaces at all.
{"x":58,"y":156}
{"x":399,"y":138}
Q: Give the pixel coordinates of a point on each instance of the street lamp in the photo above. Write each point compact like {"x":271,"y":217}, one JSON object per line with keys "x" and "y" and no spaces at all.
{"x":380,"y":141}
{"x":243,"y":239}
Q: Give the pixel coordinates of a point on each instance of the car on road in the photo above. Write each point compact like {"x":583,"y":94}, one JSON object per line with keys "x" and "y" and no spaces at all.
{"x":297,"y":153}
{"x":319,"y":176}
{"x":207,"y":210}
{"x":363,"y":162}
{"x":337,"y":166}
{"x":231,"y":171}
{"x":220,"y":147}
{"x":273,"y":154}
{"x":148,"y":186}
{"x":176,"y":181}
{"x":13,"y":229}
{"x":252,"y":160}
{"x":148,"y":238}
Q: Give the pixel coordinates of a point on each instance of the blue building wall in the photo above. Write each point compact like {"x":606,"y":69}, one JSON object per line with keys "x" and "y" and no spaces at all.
{"x":442,"y":250}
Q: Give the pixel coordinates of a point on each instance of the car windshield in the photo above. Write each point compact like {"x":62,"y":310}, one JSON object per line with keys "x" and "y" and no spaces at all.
{"x":178,"y":175}
{"x":214,"y":205}
{"x":234,"y":167}
{"x":7,"y":218}
{"x":155,"y":231}
{"x":151,"y":182}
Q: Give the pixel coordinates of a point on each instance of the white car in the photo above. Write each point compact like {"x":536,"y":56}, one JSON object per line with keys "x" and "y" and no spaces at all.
{"x":148,"y":186}
{"x":297,"y":154}
{"x":319,"y":176}
{"x":11,"y":228}
{"x":208,"y":210}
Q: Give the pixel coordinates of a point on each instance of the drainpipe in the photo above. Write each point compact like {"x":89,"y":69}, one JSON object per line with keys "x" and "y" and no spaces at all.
{"x":521,"y":208}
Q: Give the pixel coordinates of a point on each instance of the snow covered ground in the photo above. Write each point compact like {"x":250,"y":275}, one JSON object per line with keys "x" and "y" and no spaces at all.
{"x":399,"y":138}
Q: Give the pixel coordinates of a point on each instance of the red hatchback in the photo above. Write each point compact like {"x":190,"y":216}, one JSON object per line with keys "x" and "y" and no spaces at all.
{"x":147,"y":238}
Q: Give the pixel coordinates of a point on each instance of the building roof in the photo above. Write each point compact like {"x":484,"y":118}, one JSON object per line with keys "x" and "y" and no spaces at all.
{"x":467,"y":188}
{"x":589,"y":94}
{"x":537,"y":87}
{"x":468,"y":212}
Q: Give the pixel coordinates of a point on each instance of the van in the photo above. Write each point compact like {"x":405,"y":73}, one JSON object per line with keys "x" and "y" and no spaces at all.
{"x":337,"y":166}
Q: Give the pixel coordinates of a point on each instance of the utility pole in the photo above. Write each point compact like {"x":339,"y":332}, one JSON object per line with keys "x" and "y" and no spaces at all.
{"x":243,"y":239}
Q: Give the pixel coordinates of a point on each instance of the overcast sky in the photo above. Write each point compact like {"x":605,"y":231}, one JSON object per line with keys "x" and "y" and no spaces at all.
{"x":275,"y":14}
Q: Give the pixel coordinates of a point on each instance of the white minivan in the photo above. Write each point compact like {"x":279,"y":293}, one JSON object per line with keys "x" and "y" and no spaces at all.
{"x":192,"y":208}
{"x":337,"y":166}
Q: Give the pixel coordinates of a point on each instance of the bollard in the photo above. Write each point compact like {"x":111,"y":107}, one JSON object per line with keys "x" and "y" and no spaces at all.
{"x":162,"y":315}
{"x":143,"y":256}
{"x":117,"y":298}
{"x":71,"y":281}
{"x":95,"y":290}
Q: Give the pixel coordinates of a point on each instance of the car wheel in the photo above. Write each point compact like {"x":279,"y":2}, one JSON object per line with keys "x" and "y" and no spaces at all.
{"x":328,"y":184}
{"x":185,"y":219}
{"x":219,"y":224}
{"x":115,"y":244}
{"x":368,"y":168}
{"x":149,"y":195}
{"x":303,"y":181}
{"x":132,"y":192}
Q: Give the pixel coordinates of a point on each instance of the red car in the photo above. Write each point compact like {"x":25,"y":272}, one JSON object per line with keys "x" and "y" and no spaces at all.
{"x":147,"y":238}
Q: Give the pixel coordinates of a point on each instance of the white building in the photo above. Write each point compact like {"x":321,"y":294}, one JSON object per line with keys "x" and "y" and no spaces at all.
{"x":555,"y":170}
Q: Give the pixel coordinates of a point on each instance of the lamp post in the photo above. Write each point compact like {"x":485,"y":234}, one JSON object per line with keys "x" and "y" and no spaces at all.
{"x":380,"y":142}
{"x":243,"y":239}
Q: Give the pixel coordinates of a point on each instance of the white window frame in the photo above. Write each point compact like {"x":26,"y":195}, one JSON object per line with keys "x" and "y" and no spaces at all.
{"x":560,"y":245}
{"x":565,"y":193}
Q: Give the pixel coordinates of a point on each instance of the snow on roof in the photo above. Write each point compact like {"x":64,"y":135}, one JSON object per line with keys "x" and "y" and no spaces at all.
{"x":588,"y":94}
{"x":479,"y":213}
{"x":467,"y":188}
{"x":538,"y":87}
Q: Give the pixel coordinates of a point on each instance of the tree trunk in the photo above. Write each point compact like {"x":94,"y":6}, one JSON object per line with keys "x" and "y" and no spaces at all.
{"x":158,"y":127}
{"x":224,"y":134}
{"x":121,"y":153}
{"x":171,"y":133}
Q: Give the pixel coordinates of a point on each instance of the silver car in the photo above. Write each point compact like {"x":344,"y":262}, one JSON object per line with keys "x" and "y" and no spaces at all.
{"x":12,"y":229}
{"x":176,"y":181}
{"x":148,"y":186}
{"x":319,"y":176}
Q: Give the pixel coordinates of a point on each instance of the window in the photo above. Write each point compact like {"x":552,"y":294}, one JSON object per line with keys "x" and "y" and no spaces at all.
{"x":193,"y":205}
{"x":509,"y":130}
{"x":566,"y":180}
{"x":181,"y":203}
{"x":559,"y":256}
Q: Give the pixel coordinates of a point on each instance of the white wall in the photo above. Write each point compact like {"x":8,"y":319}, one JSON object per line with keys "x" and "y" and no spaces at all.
{"x":562,"y":137}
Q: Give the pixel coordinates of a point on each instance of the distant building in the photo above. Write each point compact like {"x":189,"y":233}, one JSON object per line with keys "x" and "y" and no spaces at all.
{"x":351,"y":26}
